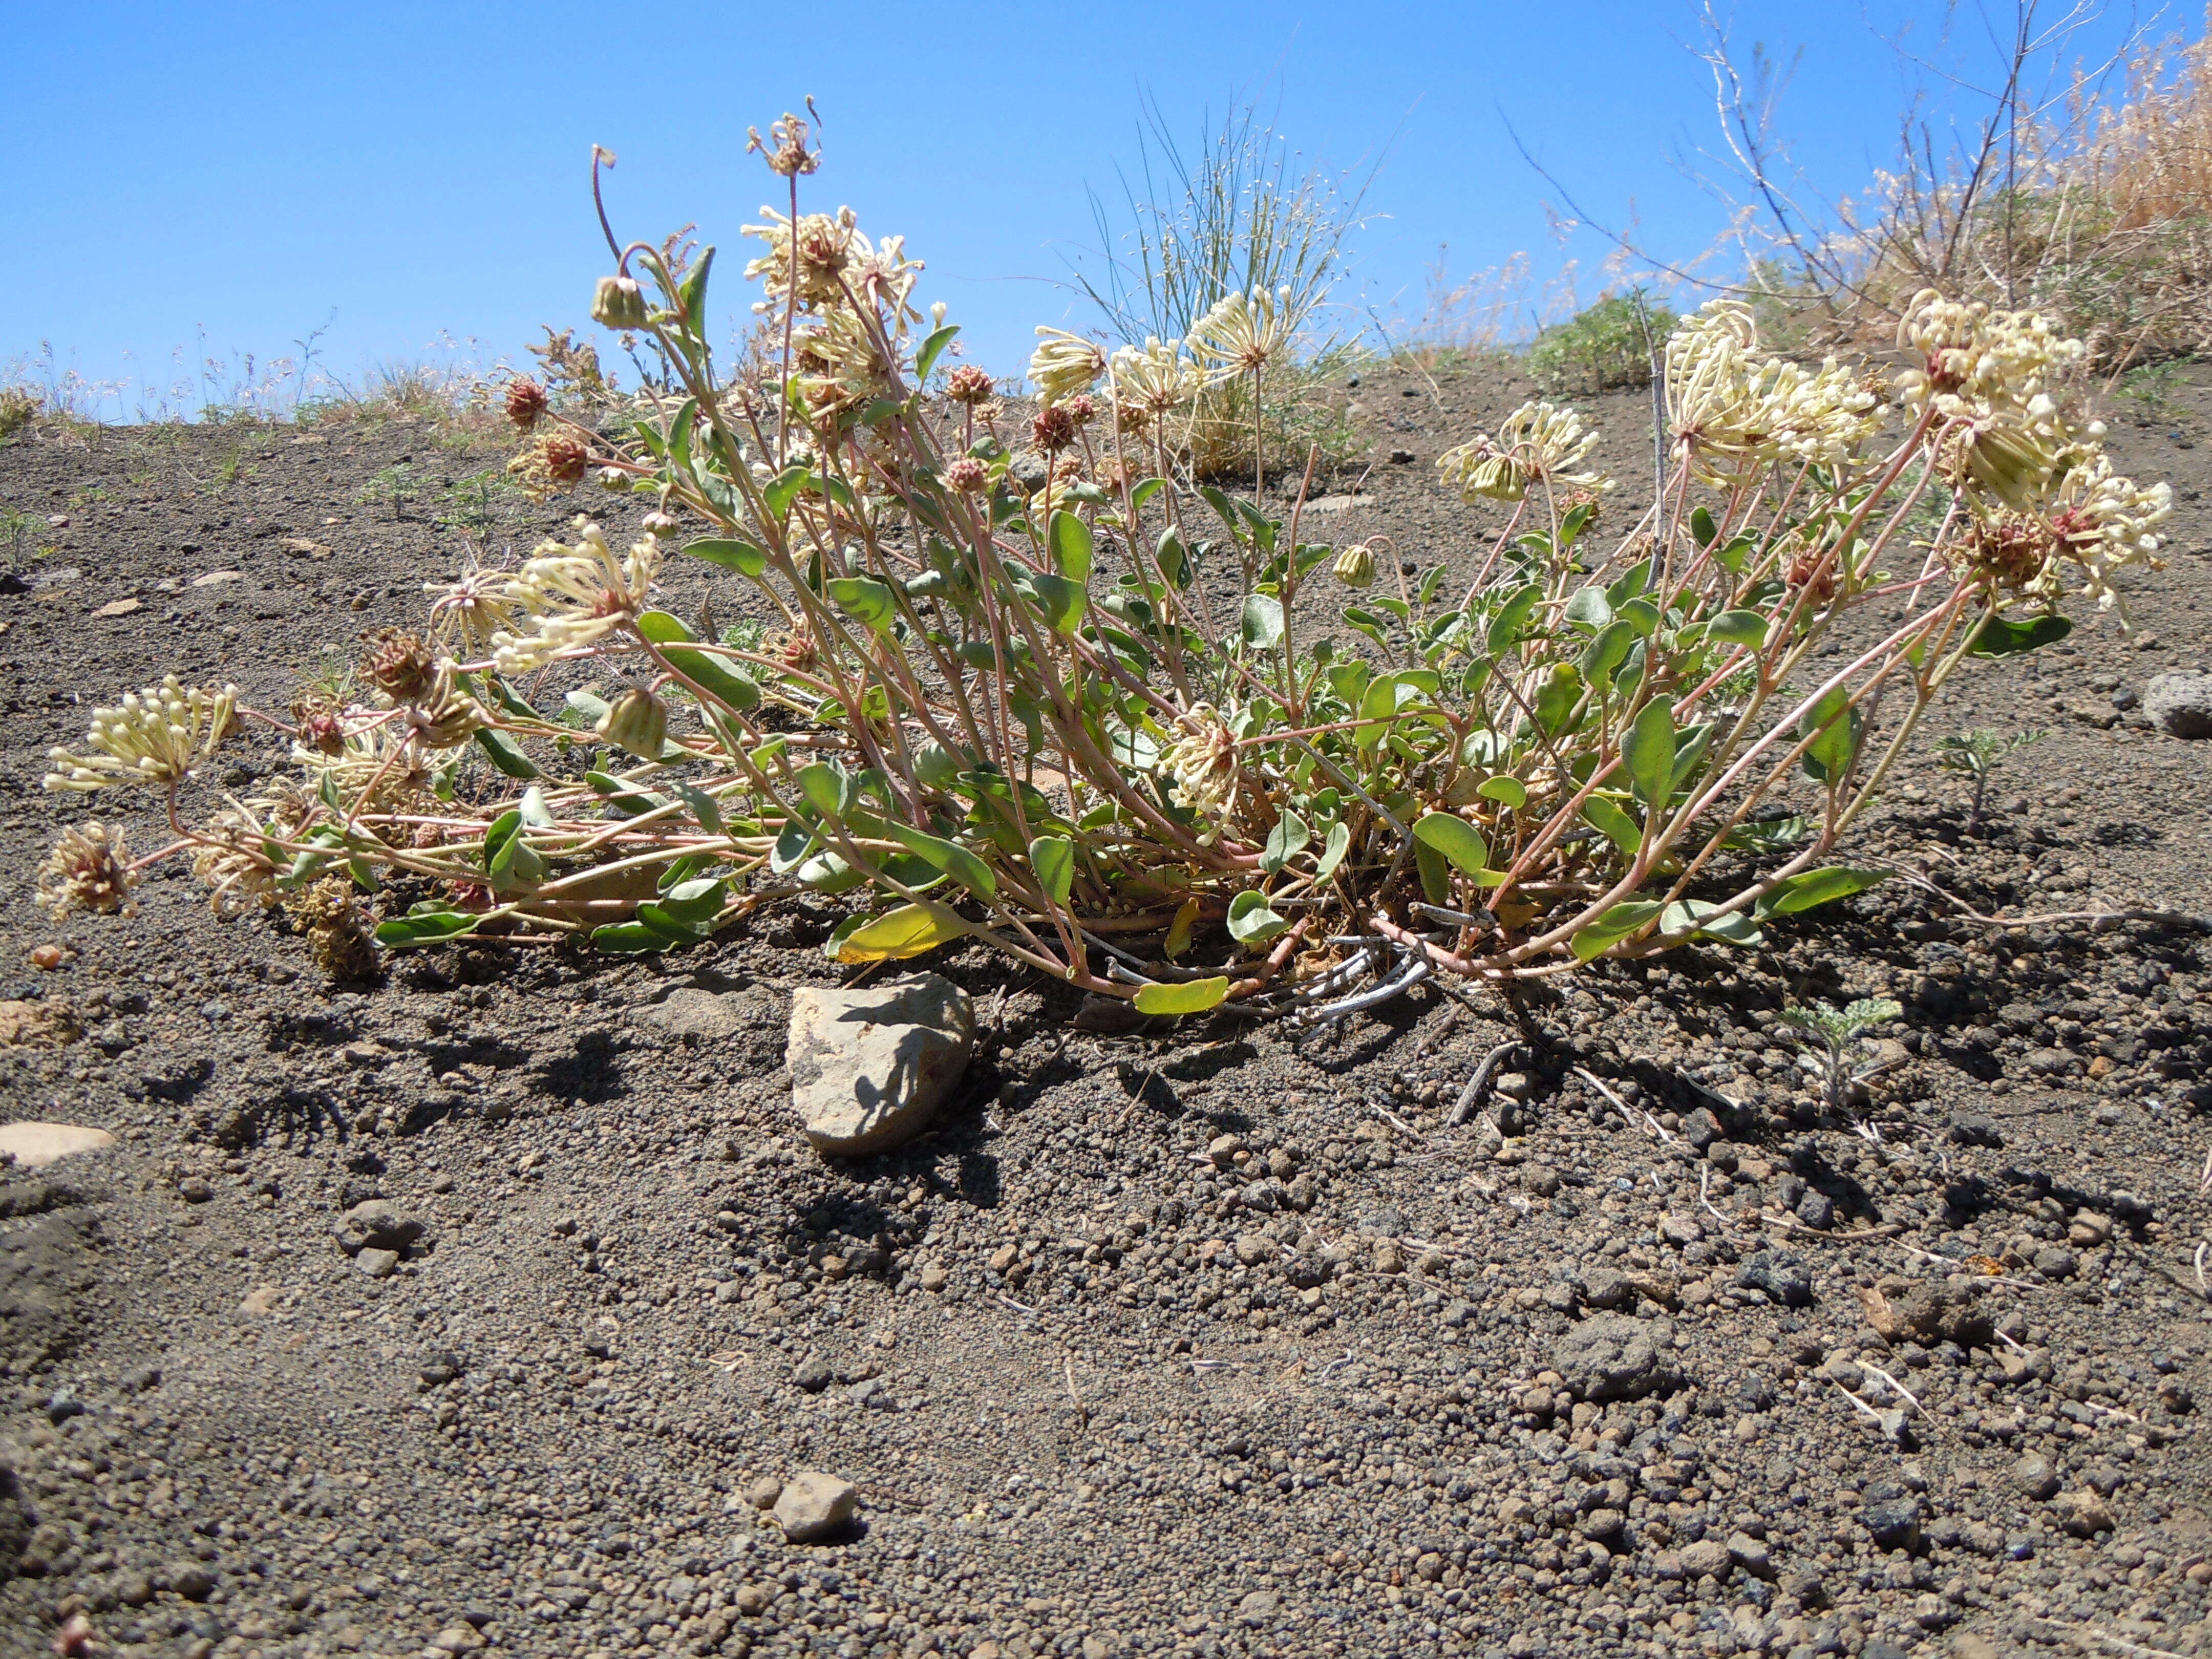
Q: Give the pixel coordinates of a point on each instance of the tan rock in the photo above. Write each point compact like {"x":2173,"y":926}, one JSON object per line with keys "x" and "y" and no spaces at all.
{"x":871,"y":1065}
{"x":37,"y":1145}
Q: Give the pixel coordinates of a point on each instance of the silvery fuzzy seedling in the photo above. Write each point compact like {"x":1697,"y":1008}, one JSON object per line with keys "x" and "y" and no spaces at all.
{"x":1830,"y":1037}
{"x":1978,"y":753}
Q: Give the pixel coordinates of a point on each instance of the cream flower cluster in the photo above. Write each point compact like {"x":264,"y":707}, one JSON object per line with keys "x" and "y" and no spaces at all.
{"x":1151,"y":381}
{"x":2103,"y":521}
{"x":1735,"y":415}
{"x":569,"y":596}
{"x":1203,"y":764}
{"x":1242,"y":334}
{"x":1064,"y":364}
{"x":837,"y":267}
{"x":1537,"y":443}
{"x":155,"y":735}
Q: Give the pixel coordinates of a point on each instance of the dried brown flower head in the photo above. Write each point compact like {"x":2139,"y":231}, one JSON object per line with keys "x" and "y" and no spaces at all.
{"x":558,"y":460}
{"x":784,"y":148}
{"x":967,"y":384}
{"x":89,"y":869}
{"x":340,"y":931}
{"x":1080,"y":408}
{"x":526,"y":402}
{"x":399,"y":664}
{"x":1053,"y":430}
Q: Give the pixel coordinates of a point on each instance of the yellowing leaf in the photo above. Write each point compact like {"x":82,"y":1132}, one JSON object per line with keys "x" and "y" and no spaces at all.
{"x":1179,"y":930}
{"x":909,"y":930}
{"x":1194,"y":998}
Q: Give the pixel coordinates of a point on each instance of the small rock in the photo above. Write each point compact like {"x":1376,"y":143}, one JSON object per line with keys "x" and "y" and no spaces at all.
{"x":1512,"y":1085}
{"x":1750,"y":1554}
{"x":813,"y":1373}
{"x":1401,"y":458}
{"x":934,"y":1277}
{"x":379,"y":1223}
{"x":1253,"y":1249}
{"x":456,"y":1639}
{"x":1701,"y":1128}
{"x":1893,"y":1522}
{"x":1680,"y":1229}
{"x":1926,"y":1312}
{"x":2056,"y":1262}
{"x":37,"y":1145}
{"x":1540,"y":1179}
{"x":1781,"y":1276}
{"x":1604,"y":1524}
{"x":1612,"y":1357}
{"x":191,"y":1580}
{"x":261,"y":1301}
{"x":120,"y":607}
{"x":2089,"y":1230}
{"x":1975,"y":1129}
{"x":1606,"y":1289}
{"x":194,"y":1189}
{"x":2179,"y":704}
{"x":1706,"y":1556}
{"x":1816,"y":1210}
{"x":1258,"y":1608}
{"x":764,"y":1492}
{"x":377,"y":1264}
{"x":2085,"y":1511}
{"x":2033,"y":1475}
{"x":870,"y":1066}
{"x":814,"y":1505}
{"x":700,"y":1016}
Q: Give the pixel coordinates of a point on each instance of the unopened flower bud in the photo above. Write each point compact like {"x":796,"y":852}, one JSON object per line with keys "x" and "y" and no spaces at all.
{"x":637,"y":721}
{"x":619,"y":302}
{"x":660,"y":524}
{"x":615,"y":480}
{"x":1355,"y":565}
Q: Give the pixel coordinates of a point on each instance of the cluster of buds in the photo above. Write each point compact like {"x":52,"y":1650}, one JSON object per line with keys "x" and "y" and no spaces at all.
{"x":1054,"y":429}
{"x":784,"y":148}
{"x":637,"y":721}
{"x":156,"y":736}
{"x":968,"y":475}
{"x":555,"y":461}
{"x":89,"y":869}
{"x":1151,"y":382}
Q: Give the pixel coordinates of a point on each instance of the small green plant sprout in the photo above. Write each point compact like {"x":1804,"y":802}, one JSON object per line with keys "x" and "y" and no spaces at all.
{"x":392,"y":484}
{"x":1978,"y":753}
{"x":1831,"y":1038}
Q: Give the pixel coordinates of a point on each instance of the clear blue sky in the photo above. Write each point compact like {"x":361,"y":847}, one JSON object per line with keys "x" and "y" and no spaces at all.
{"x":421,"y":170}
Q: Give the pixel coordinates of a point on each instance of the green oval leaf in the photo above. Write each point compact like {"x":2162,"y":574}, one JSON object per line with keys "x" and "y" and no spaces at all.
{"x":1510,"y":791}
{"x":741,"y":557}
{"x":950,"y":857}
{"x":1194,"y":998}
{"x":427,"y":924}
{"x":1053,"y":858}
{"x":1815,"y":887}
{"x":1331,"y":852}
{"x":2005,"y":636}
{"x":1251,"y":920}
{"x":1069,"y":539}
{"x":1615,"y":925}
{"x":909,"y":930}
{"x":865,"y":599}
{"x":504,"y":754}
{"x":1456,"y":839}
{"x":1647,"y":752}
{"x":1285,"y":843}
{"x":1615,"y":825}
{"x":1744,"y":628}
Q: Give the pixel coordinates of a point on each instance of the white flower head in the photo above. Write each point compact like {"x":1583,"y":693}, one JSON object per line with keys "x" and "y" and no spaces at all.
{"x":1538,"y":443}
{"x":1203,"y":764}
{"x":1242,"y":334}
{"x":156,"y":736}
{"x":573,"y":596}
{"x":1154,"y":380}
{"x":1064,"y":364}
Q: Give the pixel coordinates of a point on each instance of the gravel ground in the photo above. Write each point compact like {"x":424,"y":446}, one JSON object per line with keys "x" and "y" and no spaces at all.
{"x":1223,"y":1342}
